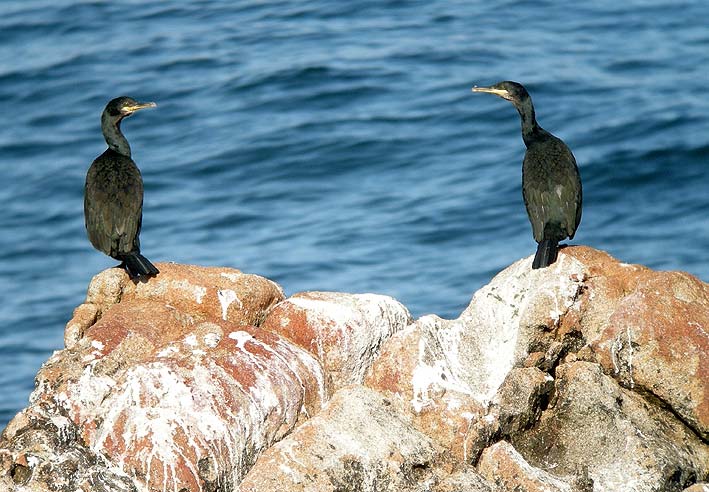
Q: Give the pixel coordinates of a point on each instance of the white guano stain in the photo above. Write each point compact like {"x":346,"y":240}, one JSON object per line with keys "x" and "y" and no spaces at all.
{"x":168,"y":351}
{"x":616,"y":349}
{"x":63,"y":425}
{"x":226,"y":298}
{"x":566,"y":291}
{"x":439,"y":367}
{"x":89,"y":388}
{"x":350,"y":329}
{"x":199,"y":293}
{"x":630,"y":356}
{"x":203,"y":412}
{"x":241,"y":337}
{"x":474,"y":353}
{"x":700,"y":328}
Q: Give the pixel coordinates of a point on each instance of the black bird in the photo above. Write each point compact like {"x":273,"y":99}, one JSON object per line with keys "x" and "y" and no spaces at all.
{"x":551,"y":184}
{"x":113,"y":195}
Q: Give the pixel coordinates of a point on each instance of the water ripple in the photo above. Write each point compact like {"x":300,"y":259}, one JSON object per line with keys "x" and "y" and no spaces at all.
{"x":337,"y":146}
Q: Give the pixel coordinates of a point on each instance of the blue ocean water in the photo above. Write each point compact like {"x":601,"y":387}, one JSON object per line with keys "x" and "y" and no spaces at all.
{"x":336,"y":145}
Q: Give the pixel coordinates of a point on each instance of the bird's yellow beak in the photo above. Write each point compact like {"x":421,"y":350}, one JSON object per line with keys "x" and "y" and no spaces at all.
{"x":138,"y":106}
{"x":498,"y":92}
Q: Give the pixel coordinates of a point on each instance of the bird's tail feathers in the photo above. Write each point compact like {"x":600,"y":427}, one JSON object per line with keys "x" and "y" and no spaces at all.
{"x":138,"y":265}
{"x":546,"y":253}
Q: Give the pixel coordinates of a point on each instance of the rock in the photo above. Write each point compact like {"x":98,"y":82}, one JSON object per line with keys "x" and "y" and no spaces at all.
{"x":505,"y":321}
{"x":699,"y":487}
{"x":648,"y":330}
{"x":587,"y":375}
{"x":41,"y":452}
{"x":344,"y":331}
{"x":521,"y":399}
{"x":504,"y":467}
{"x":447,"y":372}
{"x":467,"y":480}
{"x":216,"y":399}
{"x":419,"y":371}
{"x":503,"y":352}
{"x":657,"y":340}
{"x":169,"y":385}
{"x":623,"y":441}
{"x":357,"y":443}
{"x":206,"y":293}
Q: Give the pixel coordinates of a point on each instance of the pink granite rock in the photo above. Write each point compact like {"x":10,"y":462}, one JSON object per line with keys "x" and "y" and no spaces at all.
{"x":618,"y":438}
{"x":447,"y":372}
{"x":169,"y":383}
{"x":585,"y":374}
{"x":490,"y":373}
{"x":359,"y":442}
{"x":344,"y":331}
{"x":657,"y":340}
{"x":205,"y":293}
{"x":503,"y":466}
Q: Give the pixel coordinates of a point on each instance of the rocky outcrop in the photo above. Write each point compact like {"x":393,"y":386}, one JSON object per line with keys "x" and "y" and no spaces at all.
{"x":167,"y":382}
{"x":343,"y":331}
{"x":199,"y":293}
{"x":358,"y":442}
{"x":589,"y":375}
{"x":356,"y":439}
{"x":503,"y":466}
{"x":649,"y":331}
{"x":595,"y":428}
{"x":447,"y":373}
{"x":541,"y":353}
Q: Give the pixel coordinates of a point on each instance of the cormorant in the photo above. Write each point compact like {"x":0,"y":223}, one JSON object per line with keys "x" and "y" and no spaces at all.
{"x":551,"y":184}
{"x":113,"y":195}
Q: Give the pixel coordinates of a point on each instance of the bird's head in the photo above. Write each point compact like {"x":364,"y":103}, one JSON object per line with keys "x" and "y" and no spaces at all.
{"x":512,"y":91}
{"x":123,"y":106}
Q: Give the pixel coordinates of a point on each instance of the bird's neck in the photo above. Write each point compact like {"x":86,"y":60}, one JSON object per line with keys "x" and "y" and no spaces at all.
{"x":114,"y":137}
{"x":530,"y":128}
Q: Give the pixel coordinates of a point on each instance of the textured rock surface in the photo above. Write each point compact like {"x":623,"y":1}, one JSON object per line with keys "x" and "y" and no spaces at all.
{"x":698,"y":487}
{"x":490,"y":374}
{"x":42,"y":451}
{"x":623,"y":441}
{"x":649,"y":330}
{"x":358,"y":442}
{"x":420,"y":371}
{"x":344,"y":331}
{"x":473,"y":354}
{"x":170,"y":383}
{"x":504,"y":467}
{"x":201,"y":292}
{"x":447,"y":372}
{"x":589,"y":375}
{"x":521,"y":398}
{"x":467,"y":480}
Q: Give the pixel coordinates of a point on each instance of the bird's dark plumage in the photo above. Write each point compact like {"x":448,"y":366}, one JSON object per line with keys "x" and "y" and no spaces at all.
{"x":551,"y":183}
{"x":113,"y":195}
